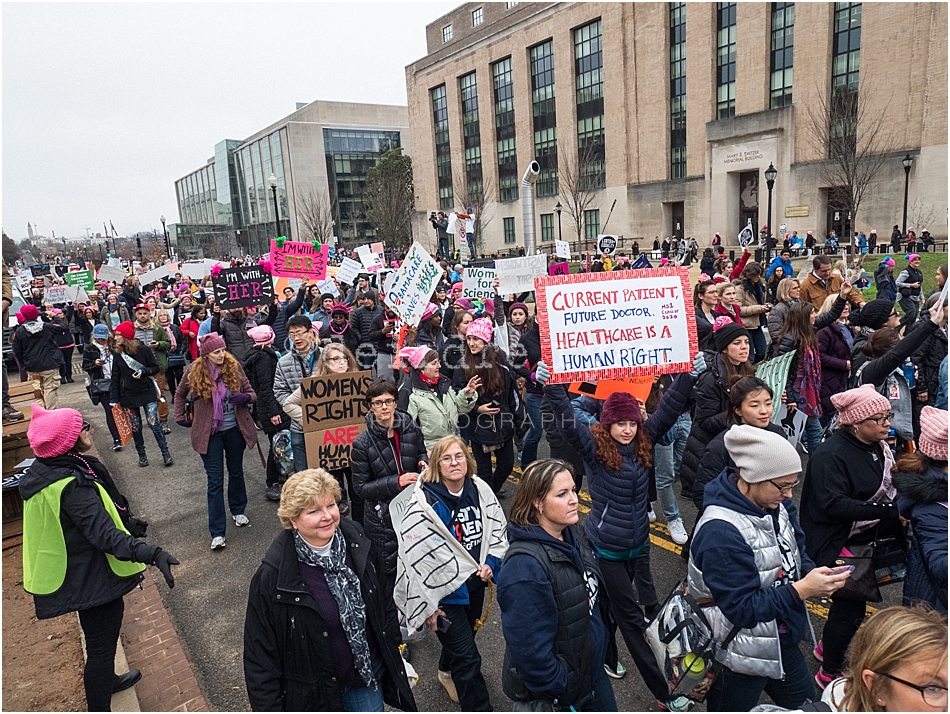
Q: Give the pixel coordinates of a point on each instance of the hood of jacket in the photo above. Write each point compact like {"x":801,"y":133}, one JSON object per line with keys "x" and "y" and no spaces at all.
{"x":928,"y":487}
{"x":724,"y":491}
{"x":45,"y":472}
{"x":569,"y":546}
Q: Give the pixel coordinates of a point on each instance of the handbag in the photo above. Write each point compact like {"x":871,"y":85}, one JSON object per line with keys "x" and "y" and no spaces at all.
{"x":97,"y":389}
{"x":883,"y":561}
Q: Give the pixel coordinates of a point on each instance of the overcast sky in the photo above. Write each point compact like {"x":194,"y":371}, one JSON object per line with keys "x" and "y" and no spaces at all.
{"x":106,"y":105}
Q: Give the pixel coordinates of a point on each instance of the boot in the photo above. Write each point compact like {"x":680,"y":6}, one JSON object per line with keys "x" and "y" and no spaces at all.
{"x":167,"y":458}
{"x":143,"y":459}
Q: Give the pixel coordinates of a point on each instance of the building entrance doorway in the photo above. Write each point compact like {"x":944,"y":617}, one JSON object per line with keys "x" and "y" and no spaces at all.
{"x":749,"y":200}
{"x":677,"y":217}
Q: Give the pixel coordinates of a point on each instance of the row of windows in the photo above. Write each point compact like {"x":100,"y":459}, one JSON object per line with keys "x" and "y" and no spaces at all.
{"x":544,"y":116}
{"x":477,"y":19}
{"x":725,"y":60}
{"x":505,"y":130}
{"x":677,"y":90}
{"x":254,"y":164}
{"x":783,"y":41}
{"x":471,"y":134}
{"x":589,"y":83}
{"x":591,"y":227}
{"x":443,"y":159}
{"x":197,"y":195}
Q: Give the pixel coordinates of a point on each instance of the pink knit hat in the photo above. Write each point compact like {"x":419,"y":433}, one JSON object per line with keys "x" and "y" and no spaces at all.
{"x":211,"y":342}
{"x":933,"y":433}
{"x":480,"y":328}
{"x":415,"y":355}
{"x":430,"y":310}
{"x":859,"y":404}
{"x":29,"y":312}
{"x":262,"y":334}
{"x":53,"y":432}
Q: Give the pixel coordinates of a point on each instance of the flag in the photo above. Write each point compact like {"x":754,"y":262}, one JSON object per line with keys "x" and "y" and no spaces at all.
{"x":746,"y":236}
{"x":641,"y":262}
{"x":774,"y":373}
{"x":114,"y":231}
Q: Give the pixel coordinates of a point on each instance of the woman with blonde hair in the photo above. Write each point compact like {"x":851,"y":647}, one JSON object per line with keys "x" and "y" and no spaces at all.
{"x":222,"y":425}
{"x":331,"y":646}
{"x":898,"y":663}
{"x":787,"y":293}
{"x":464,"y":527}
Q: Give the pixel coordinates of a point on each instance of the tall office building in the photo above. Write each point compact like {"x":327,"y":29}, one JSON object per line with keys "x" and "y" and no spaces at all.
{"x":671,"y":113}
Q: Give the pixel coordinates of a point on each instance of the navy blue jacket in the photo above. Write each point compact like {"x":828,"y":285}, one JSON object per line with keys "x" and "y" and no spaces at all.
{"x":529,"y":616}
{"x":922,"y":499}
{"x":886,"y":285}
{"x":620,"y":500}
{"x":728,"y":564}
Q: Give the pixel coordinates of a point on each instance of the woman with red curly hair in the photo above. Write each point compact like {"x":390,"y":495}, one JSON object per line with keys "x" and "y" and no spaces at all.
{"x":222,"y":425}
{"x":618,"y":456}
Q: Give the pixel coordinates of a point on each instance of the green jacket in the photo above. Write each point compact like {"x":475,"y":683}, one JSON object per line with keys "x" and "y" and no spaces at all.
{"x":438,"y":417}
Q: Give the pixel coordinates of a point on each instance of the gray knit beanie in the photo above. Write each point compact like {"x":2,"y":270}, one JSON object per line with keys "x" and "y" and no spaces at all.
{"x":761,"y":455}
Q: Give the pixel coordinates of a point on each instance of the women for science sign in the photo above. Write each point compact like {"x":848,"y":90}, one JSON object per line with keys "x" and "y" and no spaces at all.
{"x":618,"y":324}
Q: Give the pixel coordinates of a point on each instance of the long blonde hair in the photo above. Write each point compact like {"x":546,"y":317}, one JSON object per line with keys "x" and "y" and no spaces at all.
{"x":891,"y":637}
{"x":432,"y":473}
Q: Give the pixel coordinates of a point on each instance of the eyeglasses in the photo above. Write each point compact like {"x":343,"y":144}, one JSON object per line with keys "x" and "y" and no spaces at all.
{"x":785,"y":489}
{"x":893,"y":314}
{"x":449,"y":460}
{"x":383,"y":403}
{"x":299,"y":334}
{"x":86,"y":426}
{"x":882,"y":420}
{"x":934,"y":695}
{"x":337,"y":358}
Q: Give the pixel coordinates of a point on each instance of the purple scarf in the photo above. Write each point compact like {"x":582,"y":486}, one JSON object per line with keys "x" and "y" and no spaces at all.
{"x":218,"y":395}
{"x":808,"y":382}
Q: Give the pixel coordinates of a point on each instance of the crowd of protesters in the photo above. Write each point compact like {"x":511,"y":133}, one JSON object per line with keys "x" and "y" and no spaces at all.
{"x":459,"y":402}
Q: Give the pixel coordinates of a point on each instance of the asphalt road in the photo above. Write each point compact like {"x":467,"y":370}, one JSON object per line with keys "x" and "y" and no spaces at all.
{"x":210,"y":596}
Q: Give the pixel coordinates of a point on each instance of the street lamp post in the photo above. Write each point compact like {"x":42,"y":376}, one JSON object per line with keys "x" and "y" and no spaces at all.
{"x":907,"y":162}
{"x":557,"y":209}
{"x":273,"y":187}
{"x":66,"y":250}
{"x":168,"y":249}
{"x":770,"y":174}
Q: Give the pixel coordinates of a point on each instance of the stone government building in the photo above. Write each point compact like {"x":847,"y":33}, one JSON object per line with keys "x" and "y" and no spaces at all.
{"x":681,"y":108}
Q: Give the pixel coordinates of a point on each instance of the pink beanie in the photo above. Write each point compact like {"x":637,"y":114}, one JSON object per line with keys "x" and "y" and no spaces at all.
{"x":262,"y":334}
{"x":933,"y":433}
{"x":430,"y":310}
{"x":458,"y":286}
{"x":859,"y":404}
{"x":415,"y":355}
{"x":211,"y":342}
{"x":53,"y":432}
{"x":29,"y":312}
{"x":480,"y":328}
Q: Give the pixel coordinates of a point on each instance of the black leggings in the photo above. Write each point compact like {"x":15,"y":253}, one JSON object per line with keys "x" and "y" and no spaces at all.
{"x":100,"y":625}
{"x":66,"y":369}
{"x":173,"y":377}
{"x":844,"y":619}
{"x":504,"y":463}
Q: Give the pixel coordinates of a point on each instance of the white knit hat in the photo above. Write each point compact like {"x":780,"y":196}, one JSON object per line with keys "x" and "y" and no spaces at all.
{"x":761,"y":455}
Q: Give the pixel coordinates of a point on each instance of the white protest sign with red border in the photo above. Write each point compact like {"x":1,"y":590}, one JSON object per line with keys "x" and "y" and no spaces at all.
{"x":618,"y":324}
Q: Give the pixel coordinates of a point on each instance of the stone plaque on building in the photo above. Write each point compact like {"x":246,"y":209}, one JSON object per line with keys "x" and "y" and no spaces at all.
{"x":796,"y":211}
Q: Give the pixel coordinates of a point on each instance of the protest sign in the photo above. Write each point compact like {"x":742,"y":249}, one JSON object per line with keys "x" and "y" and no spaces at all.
{"x":330,"y":449}
{"x":110,"y":273}
{"x":639,"y":387}
{"x":115,"y":263}
{"x":476,"y":283}
{"x":152,"y":275}
{"x":80,"y":277}
{"x":641,"y":262}
{"x":243,"y":287}
{"x":559,"y":269}
{"x":194,"y":269}
{"x":613,"y":325}
{"x":334,"y":400}
{"x":562,"y":249}
{"x":123,"y":422}
{"x":413,"y":285}
{"x":746,"y":236}
{"x":371,"y":261}
{"x":516,"y":275}
{"x":349,"y":269}
{"x":41,"y":269}
{"x":792,"y":423}
{"x":299,"y":260}
{"x":607,"y":243}
{"x":76,"y":293}
{"x":328,"y":286}
{"x":55,"y":294}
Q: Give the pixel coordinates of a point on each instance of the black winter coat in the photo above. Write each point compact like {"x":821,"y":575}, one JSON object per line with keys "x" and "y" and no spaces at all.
{"x":288,"y":663}
{"x":704,"y":330}
{"x":376,"y":478}
{"x":452,"y":355}
{"x":89,"y":533}
{"x":712,"y":400}
{"x":877,"y":369}
{"x":362,"y":321}
{"x":491,"y":429}
{"x":38,"y":352}
{"x":928,"y":358}
{"x":128,"y":391}
{"x":260,"y":368}
{"x":350,"y":338}
{"x":382,"y":343}
{"x":835,"y":355}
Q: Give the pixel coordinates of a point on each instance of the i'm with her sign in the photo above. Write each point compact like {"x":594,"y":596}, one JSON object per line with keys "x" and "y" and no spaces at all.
{"x":618,"y":324}
{"x":243,"y":287}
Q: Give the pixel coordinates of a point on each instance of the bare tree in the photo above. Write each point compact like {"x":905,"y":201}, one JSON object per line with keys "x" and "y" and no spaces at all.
{"x":851,"y":130}
{"x":478,"y":198}
{"x":316,"y":213}
{"x":921,"y":215}
{"x":578,"y":182}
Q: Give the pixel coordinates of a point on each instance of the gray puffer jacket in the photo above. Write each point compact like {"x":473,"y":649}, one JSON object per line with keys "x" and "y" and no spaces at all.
{"x":291,"y":368}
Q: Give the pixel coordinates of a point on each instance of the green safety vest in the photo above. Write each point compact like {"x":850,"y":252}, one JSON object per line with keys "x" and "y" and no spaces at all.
{"x":44,"y":545}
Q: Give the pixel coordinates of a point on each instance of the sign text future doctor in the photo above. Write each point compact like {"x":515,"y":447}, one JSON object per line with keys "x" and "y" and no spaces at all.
{"x":618,"y":324}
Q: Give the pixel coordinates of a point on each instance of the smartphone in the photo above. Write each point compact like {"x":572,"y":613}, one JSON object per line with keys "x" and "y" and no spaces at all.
{"x":843,"y":569}
{"x":495,"y":403}
{"x":442,"y":623}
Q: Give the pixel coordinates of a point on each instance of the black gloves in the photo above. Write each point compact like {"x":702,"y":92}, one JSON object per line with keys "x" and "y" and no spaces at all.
{"x":163,"y":561}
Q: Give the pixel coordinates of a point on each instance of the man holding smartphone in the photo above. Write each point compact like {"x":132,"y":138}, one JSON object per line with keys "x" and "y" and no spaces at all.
{"x":150,"y":333}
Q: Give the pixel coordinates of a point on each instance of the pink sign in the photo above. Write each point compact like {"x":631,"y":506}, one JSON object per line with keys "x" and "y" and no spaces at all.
{"x":559,"y":269}
{"x":299,"y":260}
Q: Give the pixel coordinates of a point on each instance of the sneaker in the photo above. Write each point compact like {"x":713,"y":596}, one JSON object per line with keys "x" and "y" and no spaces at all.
{"x":819,"y":652}
{"x":117,"y":445}
{"x":241,"y":520}
{"x":143,"y":460}
{"x":273,"y":492}
{"x":678,"y":531}
{"x":822,"y":679}
{"x":11,"y":415}
{"x":445,"y":679}
{"x":679,"y":704}
{"x":165,"y":429}
{"x":217,"y":543}
{"x":652,"y":515}
{"x":615,"y":673}
{"x":167,"y":458}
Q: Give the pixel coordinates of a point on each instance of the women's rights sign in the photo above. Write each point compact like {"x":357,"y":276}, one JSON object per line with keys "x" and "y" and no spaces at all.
{"x":618,"y":324}
{"x":299,"y":260}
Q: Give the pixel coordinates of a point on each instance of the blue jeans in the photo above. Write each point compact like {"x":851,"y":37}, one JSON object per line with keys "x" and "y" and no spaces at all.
{"x":667,"y":460}
{"x":299,"y":446}
{"x":813,"y":434}
{"x":758,"y":344}
{"x":228,"y":445}
{"x":151,"y":416}
{"x":363,"y":699}
{"x":603,"y":700}
{"x":734,"y":692}
{"x":470,"y":237}
{"x":529,"y":450}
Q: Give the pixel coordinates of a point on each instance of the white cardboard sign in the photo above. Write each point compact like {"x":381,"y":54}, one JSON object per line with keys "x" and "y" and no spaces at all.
{"x":516,"y":275}
{"x":349,"y":269}
{"x":476,"y":283}
{"x":562,"y":249}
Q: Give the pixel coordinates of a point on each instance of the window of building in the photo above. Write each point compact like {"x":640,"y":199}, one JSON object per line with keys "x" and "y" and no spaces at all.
{"x":589,"y":81}
{"x":510,"y":236}
{"x":446,"y":33}
{"x":591,"y":224}
{"x":677,"y":90}
{"x":443,"y":156}
{"x":547,"y":227}
{"x":783,"y":39}
{"x":505,"y":130}
{"x":846,"y":57}
{"x":725,"y":60}
{"x":545,"y":119}
{"x":511,"y":4}
{"x":476,"y":17}
{"x":471,"y":136}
